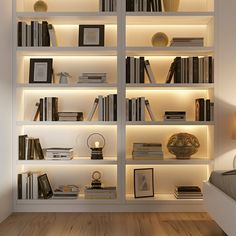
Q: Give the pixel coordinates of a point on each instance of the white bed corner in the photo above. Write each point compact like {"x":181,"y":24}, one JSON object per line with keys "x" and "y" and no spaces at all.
{"x":220,"y":207}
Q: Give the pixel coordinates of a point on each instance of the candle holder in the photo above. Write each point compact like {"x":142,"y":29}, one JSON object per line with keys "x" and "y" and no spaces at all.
{"x":96,"y":143}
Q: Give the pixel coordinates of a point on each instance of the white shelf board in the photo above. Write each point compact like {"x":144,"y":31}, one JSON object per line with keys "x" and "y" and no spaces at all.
{"x":78,"y":86}
{"x":63,"y":123}
{"x":161,"y":199}
{"x":76,"y":161}
{"x":195,"y":86}
{"x":170,"y":161}
{"x":140,"y":123}
{"x":65,"y":18}
{"x":169,"y":18}
{"x":168,"y":51}
{"x":67,"y":51}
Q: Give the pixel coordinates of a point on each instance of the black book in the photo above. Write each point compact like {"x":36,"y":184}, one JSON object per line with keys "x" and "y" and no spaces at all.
{"x":21,"y":147}
{"x":177,"y":74}
{"x":142,"y":70}
{"x":45,"y":186}
{"x":19,"y":34}
{"x":211,"y":70}
{"x":171,"y":72}
{"x":19,"y":186}
{"x":41,"y":105}
{"x":160,"y":5}
{"x":149,"y":5}
{"x":128,"y":70}
{"x":130,"y":110}
{"x":38,"y":149}
{"x":195,"y":70}
{"x":115,"y":106}
{"x":208,"y":110}
{"x":199,"y":109}
{"x":152,"y":5}
{"x":45,"y":34}
{"x":188,"y":189}
{"x":54,"y":108}
{"x":128,"y":5}
{"x":45,"y":109}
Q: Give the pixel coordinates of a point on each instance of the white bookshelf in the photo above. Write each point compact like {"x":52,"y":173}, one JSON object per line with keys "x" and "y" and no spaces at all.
{"x":117,"y":166}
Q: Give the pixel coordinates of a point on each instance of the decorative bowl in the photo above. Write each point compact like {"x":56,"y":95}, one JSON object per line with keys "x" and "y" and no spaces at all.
{"x":160,"y":39}
{"x":183,"y":145}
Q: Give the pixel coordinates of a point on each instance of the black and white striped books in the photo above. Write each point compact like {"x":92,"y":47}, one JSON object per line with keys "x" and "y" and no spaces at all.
{"x":144,"y":5}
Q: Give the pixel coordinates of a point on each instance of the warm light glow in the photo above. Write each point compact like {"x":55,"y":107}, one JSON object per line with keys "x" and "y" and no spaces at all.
{"x":97,"y":144}
{"x":234,"y":127}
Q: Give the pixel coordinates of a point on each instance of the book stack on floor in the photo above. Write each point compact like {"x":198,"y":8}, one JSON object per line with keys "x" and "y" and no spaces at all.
{"x":175,"y":116}
{"x":100,"y":193}
{"x":107,"y":5}
{"x":147,"y":151}
{"x":36,"y":34}
{"x":58,"y":153}
{"x":188,"y":192}
{"x":70,"y":116}
{"x":191,"y":70}
{"x":187,"y":42}
{"x":135,"y":68}
{"x":66,"y":192}
{"x":29,"y":148}
{"x":135,"y":109}
{"x":144,"y":5}
{"x":204,"y":110}
{"x":107,"y":108}
{"x":93,"y":78}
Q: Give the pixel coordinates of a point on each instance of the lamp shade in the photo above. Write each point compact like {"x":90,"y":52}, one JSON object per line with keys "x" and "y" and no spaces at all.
{"x":234,"y":127}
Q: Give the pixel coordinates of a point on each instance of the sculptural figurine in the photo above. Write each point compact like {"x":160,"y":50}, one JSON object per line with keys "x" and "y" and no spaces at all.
{"x":64,"y":77}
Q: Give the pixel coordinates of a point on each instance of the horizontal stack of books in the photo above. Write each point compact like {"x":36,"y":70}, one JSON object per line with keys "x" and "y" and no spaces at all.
{"x":29,"y":148}
{"x":102,"y":193}
{"x":187,"y":42}
{"x":58,"y":153}
{"x":66,"y":192}
{"x":144,"y":5}
{"x":93,"y":78}
{"x":70,"y":116}
{"x":147,"y":151}
{"x":107,"y":5}
{"x":175,"y":116}
{"x":188,"y":192}
{"x":135,"y":109}
{"x":135,"y":68}
{"x":204,"y":110}
{"x":191,"y":70}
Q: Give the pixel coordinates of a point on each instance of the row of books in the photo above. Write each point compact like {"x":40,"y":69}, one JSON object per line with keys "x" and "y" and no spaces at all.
{"x":100,"y":193}
{"x":93,"y":78}
{"x":144,"y":5}
{"x":147,"y":151}
{"x":36,"y":34}
{"x":107,"y":5}
{"x":70,"y":116}
{"x":204,"y":110}
{"x":187,"y":42}
{"x":191,"y":70}
{"x":107,"y":108}
{"x":135,"y":109}
{"x":188,"y":192}
{"x":135,"y":68}
{"x":29,"y":148}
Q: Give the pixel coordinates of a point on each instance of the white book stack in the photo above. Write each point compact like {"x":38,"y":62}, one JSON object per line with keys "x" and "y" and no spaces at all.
{"x":101,"y":193}
{"x":58,"y":153}
{"x":93,"y":78}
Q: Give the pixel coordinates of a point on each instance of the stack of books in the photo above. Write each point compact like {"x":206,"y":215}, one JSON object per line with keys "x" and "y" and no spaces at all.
{"x":175,"y":116}
{"x":144,"y":5}
{"x":66,"y":192}
{"x":187,"y":42}
{"x":188,"y":192}
{"x":102,"y":193}
{"x":204,"y":110}
{"x":70,"y":116}
{"x":147,"y":151}
{"x":107,"y":5}
{"x":93,"y":78}
{"x":58,"y":153}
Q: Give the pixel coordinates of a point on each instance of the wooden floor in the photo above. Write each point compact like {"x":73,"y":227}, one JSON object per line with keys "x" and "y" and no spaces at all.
{"x":109,"y":224}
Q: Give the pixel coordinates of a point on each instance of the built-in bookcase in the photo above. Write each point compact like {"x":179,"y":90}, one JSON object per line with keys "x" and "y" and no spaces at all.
{"x":126,"y":34}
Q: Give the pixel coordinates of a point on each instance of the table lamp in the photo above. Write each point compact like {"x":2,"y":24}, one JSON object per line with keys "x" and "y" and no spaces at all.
{"x":96,"y":143}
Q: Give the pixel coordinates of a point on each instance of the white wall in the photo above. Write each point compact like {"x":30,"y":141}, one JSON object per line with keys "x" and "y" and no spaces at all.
{"x":5,"y":108}
{"x":226,"y":83}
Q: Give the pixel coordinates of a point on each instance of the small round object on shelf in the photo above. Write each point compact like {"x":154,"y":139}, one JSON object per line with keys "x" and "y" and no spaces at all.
{"x":160,"y":39}
{"x":183,"y":145}
{"x":40,"y":6}
{"x":171,"y":5}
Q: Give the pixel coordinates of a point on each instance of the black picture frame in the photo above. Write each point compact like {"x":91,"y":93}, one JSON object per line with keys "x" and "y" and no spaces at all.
{"x":91,"y":35}
{"x":45,"y":186}
{"x":41,"y":70}
{"x":143,"y":183}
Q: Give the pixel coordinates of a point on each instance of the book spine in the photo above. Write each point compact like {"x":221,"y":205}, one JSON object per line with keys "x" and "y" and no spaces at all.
{"x":128,"y":70}
{"x":208,"y":110}
{"x":151,"y":114}
{"x":93,"y":110}
{"x":115,"y":106}
{"x":21,"y":147}
{"x":211,"y":71}
{"x":54,"y":108}
{"x":24,"y":34}
{"x":132,"y":74}
{"x":100,"y":108}
{"x":28,"y":35}
{"x":195,"y":70}
{"x":24,"y":185}
{"x":40,"y":35}
{"x":35,"y":186}
{"x":19,"y":34}
{"x":177,"y":74}
{"x":41,"y":114}
{"x":149,"y":72}
{"x":19,"y":186}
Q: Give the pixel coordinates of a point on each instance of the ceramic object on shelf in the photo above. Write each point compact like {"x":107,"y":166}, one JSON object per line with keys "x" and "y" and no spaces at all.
{"x":40,"y":6}
{"x":183,"y":145}
{"x":171,"y":5}
{"x":160,"y":39}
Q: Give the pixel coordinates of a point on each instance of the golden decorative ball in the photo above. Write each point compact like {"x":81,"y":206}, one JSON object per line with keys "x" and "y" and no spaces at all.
{"x":160,"y":40}
{"x":40,"y":6}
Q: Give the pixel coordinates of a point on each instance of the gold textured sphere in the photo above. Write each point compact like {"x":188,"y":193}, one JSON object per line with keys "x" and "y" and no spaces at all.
{"x":160,"y":40}
{"x":40,"y":6}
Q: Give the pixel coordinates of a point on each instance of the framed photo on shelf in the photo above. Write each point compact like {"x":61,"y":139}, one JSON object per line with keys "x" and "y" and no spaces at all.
{"x":143,"y":183}
{"x":91,"y":35}
{"x":45,"y":186}
{"x":40,"y":70}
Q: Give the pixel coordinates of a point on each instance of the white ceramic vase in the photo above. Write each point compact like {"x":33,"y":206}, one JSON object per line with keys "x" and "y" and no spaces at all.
{"x":171,"y":5}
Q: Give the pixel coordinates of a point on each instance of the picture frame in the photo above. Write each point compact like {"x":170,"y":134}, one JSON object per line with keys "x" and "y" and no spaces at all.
{"x":91,"y":35}
{"x":45,"y":186}
{"x":143,"y":183}
{"x":41,"y":70}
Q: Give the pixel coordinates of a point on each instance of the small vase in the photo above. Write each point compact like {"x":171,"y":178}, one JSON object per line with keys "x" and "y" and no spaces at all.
{"x":171,"y":5}
{"x":40,"y":6}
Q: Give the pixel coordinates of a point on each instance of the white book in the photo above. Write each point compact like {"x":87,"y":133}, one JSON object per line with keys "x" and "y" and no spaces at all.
{"x":40,"y":35}
{"x":151,"y":114}
{"x":190,"y":70}
{"x":133,"y":107}
{"x":28,"y":40}
{"x":149,"y":72}
{"x":127,"y":109}
{"x":106,"y":5}
{"x":206,"y":69}
{"x":36,"y":33}
{"x":24,"y":185}
{"x":100,"y":5}
{"x":111,"y":107}
{"x":101,"y":108}
{"x":142,"y":115}
{"x":24,"y":34}
{"x":93,"y":110}
{"x":114,"y":5}
{"x":52,"y":34}
{"x":35,"y":185}
{"x":137,"y":69}
{"x":132,"y":70}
